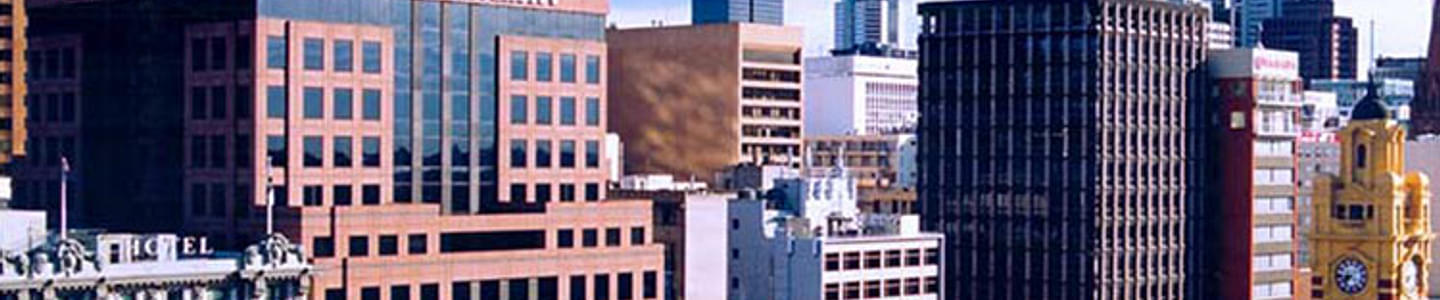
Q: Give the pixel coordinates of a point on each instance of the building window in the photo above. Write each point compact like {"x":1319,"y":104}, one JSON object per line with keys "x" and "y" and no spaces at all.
{"x":832,"y":262}
{"x":244,"y":107}
{"x":370,"y":194}
{"x":275,"y":103}
{"x":343,"y":195}
{"x":517,"y":192}
{"x":314,"y":195}
{"x":612,"y":237}
{"x":343,"y":147}
{"x":543,"y":66}
{"x":542,"y":110}
{"x":577,"y":287}
{"x":275,"y":52}
{"x":359,"y":246}
{"x":370,"y":108}
{"x":275,"y":149}
{"x":344,"y":104}
{"x":592,"y":154}
{"x":650,"y":285}
{"x":592,"y":192}
{"x":198,"y":102}
{"x":592,"y":71}
{"x":370,"y":293}
{"x":371,"y":56}
{"x":517,"y":153}
{"x":567,"y":68}
{"x":602,"y":286}
{"x":314,"y":54}
{"x":314,"y":98}
{"x":243,"y":43}
{"x":567,"y":111}
{"x":625,"y":286}
{"x":314,"y":148}
{"x":389,"y":245}
{"x":197,"y":151}
{"x":892,"y":258}
{"x":400,"y":292}
{"x":567,"y":154}
{"x":592,"y":111}
{"x":519,"y":65}
{"x":243,"y":151}
{"x":335,"y":294}
{"x":518,"y":109}
{"x":324,"y":246}
{"x":218,"y":107}
{"x":542,"y":154}
{"x":418,"y":243}
{"x":198,"y":192}
{"x":637,"y":236}
{"x":344,"y":52}
{"x":589,"y":238}
{"x":370,"y":151}
{"x":932,"y":257}
{"x":565,"y":238}
{"x":542,"y":192}
{"x":567,"y":192}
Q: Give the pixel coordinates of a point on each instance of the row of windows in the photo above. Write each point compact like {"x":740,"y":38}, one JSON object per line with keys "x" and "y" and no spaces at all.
{"x":1278,"y":290}
{"x":872,"y":260}
{"x":209,"y":53}
{"x":342,"y":103}
{"x":313,"y":51}
{"x":545,"y":113}
{"x":1273,"y":233}
{"x":519,"y":192}
{"x":875,"y":289}
{"x":1274,"y":176}
{"x":545,"y":66}
{"x":209,"y":103}
{"x":359,"y":245}
{"x":54,"y":63}
{"x":52,"y":107}
{"x":341,"y":195}
{"x":313,"y":150}
{"x":1274,"y":148}
{"x":589,"y":237}
{"x":544,"y":288}
{"x":519,"y":157}
{"x":1274,"y":205}
{"x":1272,"y":262}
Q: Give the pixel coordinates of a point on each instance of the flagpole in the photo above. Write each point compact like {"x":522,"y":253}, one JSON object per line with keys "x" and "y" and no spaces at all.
{"x":64,"y":202}
{"x":269,"y":200}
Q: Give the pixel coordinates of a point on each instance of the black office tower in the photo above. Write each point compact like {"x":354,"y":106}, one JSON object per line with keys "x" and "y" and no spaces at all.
{"x":1062,"y":147}
{"x":1328,"y":44}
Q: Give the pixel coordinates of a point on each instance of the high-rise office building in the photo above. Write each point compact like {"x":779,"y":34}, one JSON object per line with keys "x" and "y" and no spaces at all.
{"x":737,"y":11}
{"x":1253,"y":232}
{"x":860,"y":94}
{"x":1328,"y":44}
{"x":693,"y":100}
{"x":1427,"y":88}
{"x":1061,"y":159}
{"x":1248,"y":18}
{"x":13,"y":47}
{"x":881,"y":23}
{"x":418,"y":149}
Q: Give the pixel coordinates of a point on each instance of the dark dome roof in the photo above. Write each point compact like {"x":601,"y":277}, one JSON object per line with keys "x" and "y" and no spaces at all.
{"x":1370,"y":107}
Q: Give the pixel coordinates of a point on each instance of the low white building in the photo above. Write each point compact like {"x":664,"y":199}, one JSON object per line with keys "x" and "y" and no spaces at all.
{"x":659,"y":182}
{"x":882,"y":257}
{"x":856,"y":94}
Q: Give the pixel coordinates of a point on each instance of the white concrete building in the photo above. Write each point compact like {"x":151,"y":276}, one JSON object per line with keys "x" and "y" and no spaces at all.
{"x":659,"y":182}
{"x":860,"y":94}
{"x":1221,"y":35}
{"x":887,"y":257}
{"x":614,"y":151}
{"x":1319,"y":114}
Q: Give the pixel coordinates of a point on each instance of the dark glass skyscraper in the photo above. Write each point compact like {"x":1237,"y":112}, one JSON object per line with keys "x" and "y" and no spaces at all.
{"x":1062,"y":147}
{"x":745,"y":11}
{"x":1328,"y":44}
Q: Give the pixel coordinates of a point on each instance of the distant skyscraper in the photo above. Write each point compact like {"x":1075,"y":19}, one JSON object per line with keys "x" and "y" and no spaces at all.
{"x":881,"y":23}
{"x":1427,"y":101}
{"x":1327,"y":43}
{"x":1248,"y":18}
{"x":1050,"y":167}
{"x":856,"y":94}
{"x":743,"y":11}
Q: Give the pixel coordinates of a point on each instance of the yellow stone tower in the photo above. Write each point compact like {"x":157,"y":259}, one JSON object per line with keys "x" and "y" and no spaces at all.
{"x":1372,"y":223}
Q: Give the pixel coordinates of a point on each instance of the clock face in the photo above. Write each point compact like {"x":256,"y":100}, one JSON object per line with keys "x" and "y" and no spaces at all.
{"x":1350,"y":276}
{"x":1410,"y":278}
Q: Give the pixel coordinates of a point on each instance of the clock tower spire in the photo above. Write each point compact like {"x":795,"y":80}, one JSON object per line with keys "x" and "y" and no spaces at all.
{"x":1372,"y":223}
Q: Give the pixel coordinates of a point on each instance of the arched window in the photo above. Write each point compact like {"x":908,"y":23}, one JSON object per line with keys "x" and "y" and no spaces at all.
{"x":1360,"y":156}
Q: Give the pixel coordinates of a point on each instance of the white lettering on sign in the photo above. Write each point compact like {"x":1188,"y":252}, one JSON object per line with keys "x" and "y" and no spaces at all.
{"x":153,"y":247}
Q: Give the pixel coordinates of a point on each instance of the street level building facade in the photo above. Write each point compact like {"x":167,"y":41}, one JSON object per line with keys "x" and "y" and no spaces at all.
{"x":859,"y":94}
{"x":1372,"y":220}
{"x":1053,"y":148}
{"x":1258,"y":102}
{"x":421,"y":149}
{"x":693,"y":100}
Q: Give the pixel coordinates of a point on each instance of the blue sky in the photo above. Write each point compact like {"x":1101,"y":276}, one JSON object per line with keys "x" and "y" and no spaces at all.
{"x":1401,"y":26}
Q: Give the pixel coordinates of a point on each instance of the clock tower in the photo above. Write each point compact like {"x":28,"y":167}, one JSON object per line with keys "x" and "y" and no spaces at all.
{"x":1372,"y":223}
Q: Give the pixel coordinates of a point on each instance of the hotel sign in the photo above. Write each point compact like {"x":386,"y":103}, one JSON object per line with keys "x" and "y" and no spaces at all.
{"x":162,"y":247}
{"x":1270,"y":63}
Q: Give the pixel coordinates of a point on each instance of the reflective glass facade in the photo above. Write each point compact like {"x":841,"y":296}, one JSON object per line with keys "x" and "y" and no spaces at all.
{"x":745,"y":11}
{"x":445,"y":86}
